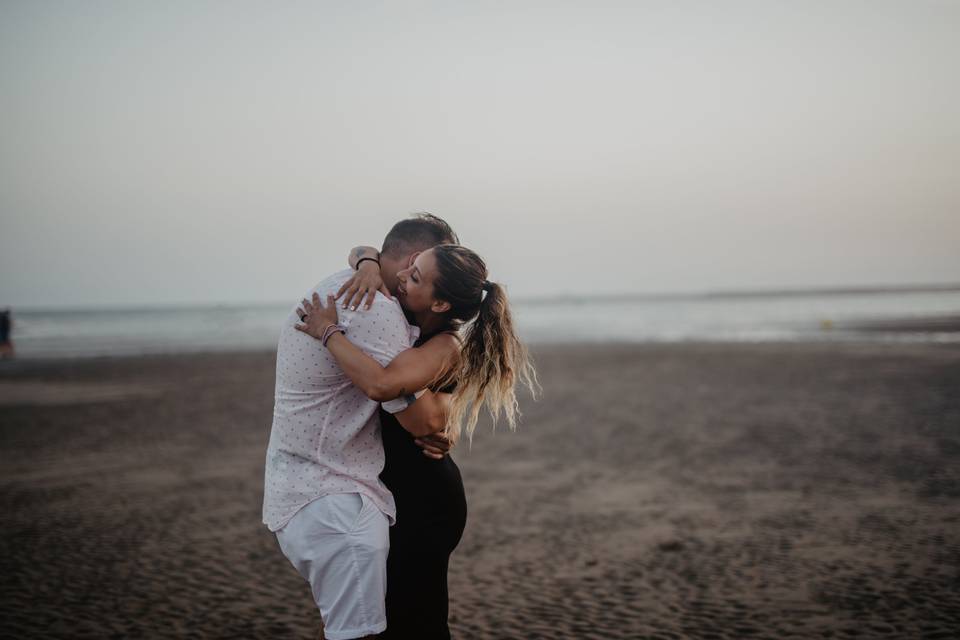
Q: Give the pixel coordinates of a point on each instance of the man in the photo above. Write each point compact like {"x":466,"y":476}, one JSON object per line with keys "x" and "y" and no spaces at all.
{"x":322,"y":494}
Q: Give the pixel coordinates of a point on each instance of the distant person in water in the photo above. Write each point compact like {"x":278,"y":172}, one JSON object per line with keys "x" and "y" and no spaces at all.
{"x":6,"y":326}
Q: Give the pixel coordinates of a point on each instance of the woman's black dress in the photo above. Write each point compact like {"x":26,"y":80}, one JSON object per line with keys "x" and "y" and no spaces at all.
{"x":431,"y":515}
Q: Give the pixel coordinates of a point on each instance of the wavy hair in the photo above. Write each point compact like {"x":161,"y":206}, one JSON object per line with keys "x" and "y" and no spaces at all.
{"x":492,"y":358}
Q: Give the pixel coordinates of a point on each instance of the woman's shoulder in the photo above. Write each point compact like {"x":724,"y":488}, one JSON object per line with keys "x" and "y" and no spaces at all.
{"x":446,"y":344}
{"x":444,"y":340}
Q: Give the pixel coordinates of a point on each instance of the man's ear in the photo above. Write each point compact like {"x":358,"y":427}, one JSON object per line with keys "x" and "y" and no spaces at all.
{"x":413,"y":256}
{"x":440,"y":306}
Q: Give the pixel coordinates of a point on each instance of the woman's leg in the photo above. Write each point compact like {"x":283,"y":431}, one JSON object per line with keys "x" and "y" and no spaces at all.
{"x":417,"y":597}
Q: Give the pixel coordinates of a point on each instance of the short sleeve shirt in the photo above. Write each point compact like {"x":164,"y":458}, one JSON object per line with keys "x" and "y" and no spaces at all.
{"x":325,"y":438}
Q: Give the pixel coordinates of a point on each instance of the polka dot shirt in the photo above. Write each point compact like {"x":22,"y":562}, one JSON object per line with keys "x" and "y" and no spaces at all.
{"x":325,"y":437}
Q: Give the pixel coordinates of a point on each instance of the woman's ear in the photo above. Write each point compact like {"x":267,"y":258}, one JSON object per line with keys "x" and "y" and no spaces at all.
{"x":440,"y":306}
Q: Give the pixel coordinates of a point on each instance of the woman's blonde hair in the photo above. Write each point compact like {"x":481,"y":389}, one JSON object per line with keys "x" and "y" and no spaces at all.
{"x":492,"y":359}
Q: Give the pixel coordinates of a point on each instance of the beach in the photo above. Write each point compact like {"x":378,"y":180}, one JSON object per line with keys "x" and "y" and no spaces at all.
{"x":699,"y":490}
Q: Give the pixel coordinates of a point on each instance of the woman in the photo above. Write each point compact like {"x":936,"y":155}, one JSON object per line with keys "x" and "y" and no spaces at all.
{"x":443,"y":289}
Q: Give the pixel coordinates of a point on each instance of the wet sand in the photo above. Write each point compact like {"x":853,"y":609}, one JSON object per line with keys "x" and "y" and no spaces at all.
{"x":661,"y":491}
{"x":949,"y":324}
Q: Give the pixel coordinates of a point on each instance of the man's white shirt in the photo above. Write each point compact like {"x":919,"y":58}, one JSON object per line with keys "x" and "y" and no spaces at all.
{"x":325,"y":437}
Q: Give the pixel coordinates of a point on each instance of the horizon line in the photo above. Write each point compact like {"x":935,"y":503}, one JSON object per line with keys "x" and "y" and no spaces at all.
{"x":558,"y":297}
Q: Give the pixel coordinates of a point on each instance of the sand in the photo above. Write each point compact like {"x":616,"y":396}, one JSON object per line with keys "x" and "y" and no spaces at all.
{"x":661,"y":491}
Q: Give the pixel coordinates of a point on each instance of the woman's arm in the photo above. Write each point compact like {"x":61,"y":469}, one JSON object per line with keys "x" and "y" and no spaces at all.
{"x":410,"y":371}
{"x":365,"y":282}
{"x":361,"y":252}
{"x":413,"y":369}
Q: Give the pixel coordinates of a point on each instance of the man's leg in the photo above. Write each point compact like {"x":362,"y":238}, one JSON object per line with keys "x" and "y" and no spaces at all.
{"x":339,"y":545}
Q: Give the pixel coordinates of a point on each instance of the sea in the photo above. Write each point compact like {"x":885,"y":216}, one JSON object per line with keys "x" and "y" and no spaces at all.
{"x":868,"y":315}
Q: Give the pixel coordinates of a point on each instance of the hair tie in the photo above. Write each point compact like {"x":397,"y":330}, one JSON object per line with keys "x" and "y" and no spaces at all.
{"x":487,"y":286}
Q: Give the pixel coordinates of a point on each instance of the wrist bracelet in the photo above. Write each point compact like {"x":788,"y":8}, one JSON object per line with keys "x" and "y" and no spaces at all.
{"x":326,"y":333}
{"x":329,"y":331}
{"x":367,"y":258}
{"x":323,"y":334}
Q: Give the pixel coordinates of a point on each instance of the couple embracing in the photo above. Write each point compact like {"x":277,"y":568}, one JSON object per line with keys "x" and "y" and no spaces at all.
{"x":359,"y":488}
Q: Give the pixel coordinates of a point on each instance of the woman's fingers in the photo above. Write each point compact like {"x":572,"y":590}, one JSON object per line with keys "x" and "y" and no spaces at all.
{"x":346,"y":285}
{"x":305,"y":306}
{"x":357,"y":298}
{"x":361,"y":295}
{"x":371,"y":294}
{"x":351,"y":292}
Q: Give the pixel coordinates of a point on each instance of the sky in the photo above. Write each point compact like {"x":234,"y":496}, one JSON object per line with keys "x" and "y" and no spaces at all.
{"x":166,"y":153}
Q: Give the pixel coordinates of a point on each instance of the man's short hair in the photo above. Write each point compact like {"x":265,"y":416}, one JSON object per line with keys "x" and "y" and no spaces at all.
{"x":418,"y":233}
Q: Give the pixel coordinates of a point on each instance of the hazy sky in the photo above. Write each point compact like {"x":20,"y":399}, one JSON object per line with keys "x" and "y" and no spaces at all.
{"x":183,"y":152}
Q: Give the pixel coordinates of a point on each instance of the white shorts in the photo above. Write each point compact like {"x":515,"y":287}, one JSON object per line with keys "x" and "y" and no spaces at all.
{"x":339,"y":544}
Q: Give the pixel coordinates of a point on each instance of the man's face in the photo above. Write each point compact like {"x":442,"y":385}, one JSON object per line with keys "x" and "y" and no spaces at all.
{"x":388,"y":273}
{"x":390,"y":266}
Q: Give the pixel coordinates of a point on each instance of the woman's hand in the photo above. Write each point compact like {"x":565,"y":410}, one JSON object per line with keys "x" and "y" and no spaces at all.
{"x":365,"y":282}
{"x":315,"y":317}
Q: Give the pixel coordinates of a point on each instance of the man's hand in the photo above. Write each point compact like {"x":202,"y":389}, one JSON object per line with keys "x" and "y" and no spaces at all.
{"x":435,"y":445}
{"x":365,"y":282}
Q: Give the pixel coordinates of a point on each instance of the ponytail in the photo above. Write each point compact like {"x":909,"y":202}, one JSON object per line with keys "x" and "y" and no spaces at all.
{"x":492,"y":360}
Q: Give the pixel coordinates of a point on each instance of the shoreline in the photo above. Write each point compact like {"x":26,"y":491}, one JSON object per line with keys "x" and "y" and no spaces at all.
{"x":935,"y":330}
